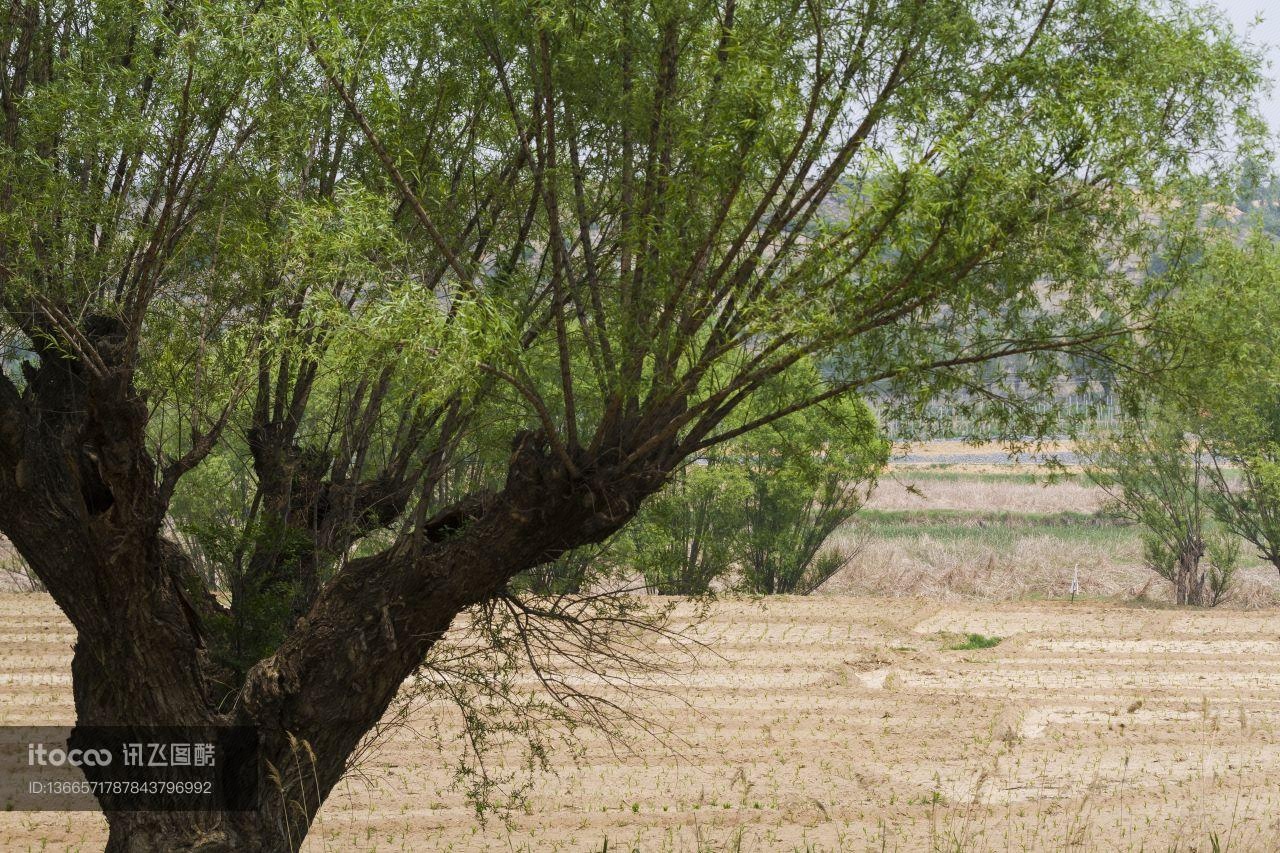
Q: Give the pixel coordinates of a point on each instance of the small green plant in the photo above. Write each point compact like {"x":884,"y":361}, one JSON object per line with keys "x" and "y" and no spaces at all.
{"x":1223,"y":549}
{"x":975,"y":641}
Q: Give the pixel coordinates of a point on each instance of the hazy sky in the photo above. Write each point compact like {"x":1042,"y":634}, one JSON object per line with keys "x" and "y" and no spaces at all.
{"x":1242,"y":13}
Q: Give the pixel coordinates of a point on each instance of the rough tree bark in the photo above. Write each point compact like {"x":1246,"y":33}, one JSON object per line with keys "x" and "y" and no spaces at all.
{"x":1189,"y":588}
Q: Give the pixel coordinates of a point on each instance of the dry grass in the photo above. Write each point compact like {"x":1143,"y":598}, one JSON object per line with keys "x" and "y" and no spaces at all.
{"x":944,"y":448}
{"x":1030,"y":567}
{"x":1004,"y":533}
{"x":1036,"y":566}
{"x":908,"y":490}
{"x":846,"y":724}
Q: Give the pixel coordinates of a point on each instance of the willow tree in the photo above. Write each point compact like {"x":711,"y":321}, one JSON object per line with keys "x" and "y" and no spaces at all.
{"x":316,"y":248}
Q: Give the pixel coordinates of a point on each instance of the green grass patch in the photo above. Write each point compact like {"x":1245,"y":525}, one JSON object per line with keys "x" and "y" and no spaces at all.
{"x":975,"y":641}
{"x":980,"y":518}
{"x":921,"y":474}
{"x":997,"y":529}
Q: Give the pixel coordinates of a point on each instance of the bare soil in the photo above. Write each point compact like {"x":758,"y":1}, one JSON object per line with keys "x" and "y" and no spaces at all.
{"x":833,"y":723}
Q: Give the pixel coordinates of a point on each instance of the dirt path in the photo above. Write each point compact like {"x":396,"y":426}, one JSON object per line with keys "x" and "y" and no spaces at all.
{"x":844,"y":724}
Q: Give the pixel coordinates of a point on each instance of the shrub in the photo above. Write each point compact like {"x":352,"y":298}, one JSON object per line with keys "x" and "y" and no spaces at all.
{"x":1223,"y":550}
{"x":806,"y":477}
{"x":1157,"y":476}
{"x":691,"y":533}
{"x":763,"y":507}
{"x":572,"y":574}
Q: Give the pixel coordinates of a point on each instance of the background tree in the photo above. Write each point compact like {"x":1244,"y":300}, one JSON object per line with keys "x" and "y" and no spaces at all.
{"x":1199,"y":442}
{"x":1225,"y":386}
{"x":1157,"y":476}
{"x":303,"y":257}
{"x":1205,"y":383}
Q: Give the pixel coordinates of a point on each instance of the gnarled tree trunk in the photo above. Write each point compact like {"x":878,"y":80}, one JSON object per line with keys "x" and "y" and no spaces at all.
{"x":80,"y":499}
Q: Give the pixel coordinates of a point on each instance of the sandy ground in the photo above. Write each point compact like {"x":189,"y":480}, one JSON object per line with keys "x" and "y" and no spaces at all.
{"x":842,"y":724}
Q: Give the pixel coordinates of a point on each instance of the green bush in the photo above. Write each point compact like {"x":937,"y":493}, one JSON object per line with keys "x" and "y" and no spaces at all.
{"x":572,"y":574}
{"x":690,"y":533}
{"x":807,"y":475}
{"x":1223,"y":550}
{"x":760,"y":510}
{"x":1159,"y":476}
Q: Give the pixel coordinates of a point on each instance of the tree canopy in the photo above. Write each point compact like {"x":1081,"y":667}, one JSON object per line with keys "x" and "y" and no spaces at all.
{"x":385,"y":303}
